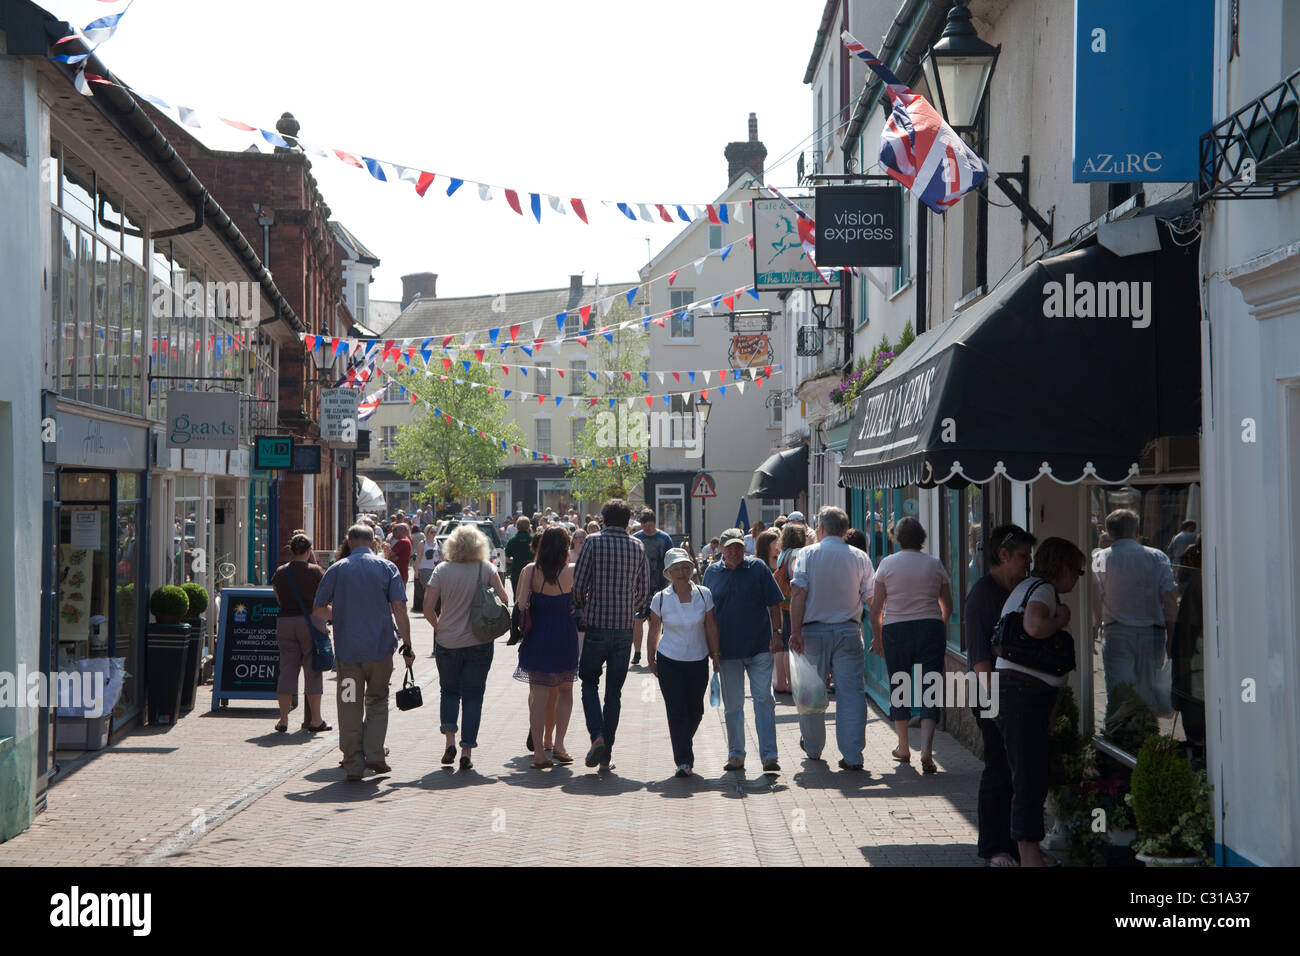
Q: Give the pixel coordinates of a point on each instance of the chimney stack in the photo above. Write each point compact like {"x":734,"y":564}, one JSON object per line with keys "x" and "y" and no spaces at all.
{"x":419,"y":285}
{"x":746,"y":157}
{"x":575,"y":291}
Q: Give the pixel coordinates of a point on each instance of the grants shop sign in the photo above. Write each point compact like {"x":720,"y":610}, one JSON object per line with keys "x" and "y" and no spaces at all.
{"x":202,"y":420}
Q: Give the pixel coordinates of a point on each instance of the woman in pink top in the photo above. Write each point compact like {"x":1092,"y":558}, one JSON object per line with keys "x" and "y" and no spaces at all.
{"x":909,"y":618}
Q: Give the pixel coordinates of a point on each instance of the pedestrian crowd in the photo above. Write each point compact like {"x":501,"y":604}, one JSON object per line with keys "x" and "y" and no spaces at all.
{"x":592,"y":596}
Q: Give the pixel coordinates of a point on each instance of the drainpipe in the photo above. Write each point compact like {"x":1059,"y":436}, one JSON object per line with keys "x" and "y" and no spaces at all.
{"x":265,"y":219}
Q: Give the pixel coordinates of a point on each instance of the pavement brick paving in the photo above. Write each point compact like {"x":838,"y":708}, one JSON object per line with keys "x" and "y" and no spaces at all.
{"x":222,"y":788}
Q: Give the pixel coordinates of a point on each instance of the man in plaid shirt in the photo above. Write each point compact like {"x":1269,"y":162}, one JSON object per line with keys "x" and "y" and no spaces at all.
{"x":610,"y":582}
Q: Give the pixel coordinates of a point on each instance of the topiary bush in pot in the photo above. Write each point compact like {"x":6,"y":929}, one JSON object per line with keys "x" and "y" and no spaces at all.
{"x":198,"y":598}
{"x":169,"y":604}
{"x":1171,"y":803}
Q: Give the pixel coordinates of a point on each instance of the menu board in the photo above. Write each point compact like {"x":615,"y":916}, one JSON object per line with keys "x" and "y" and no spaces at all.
{"x":248,"y":657}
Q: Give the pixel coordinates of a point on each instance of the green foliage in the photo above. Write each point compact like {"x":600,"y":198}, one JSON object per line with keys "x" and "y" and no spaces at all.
{"x":1129,"y":720}
{"x":455,"y":464}
{"x":169,"y":601}
{"x":198,"y":597}
{"x":908,"y":337}
{"x":613,"y":432}
{"x":1164,"y":786}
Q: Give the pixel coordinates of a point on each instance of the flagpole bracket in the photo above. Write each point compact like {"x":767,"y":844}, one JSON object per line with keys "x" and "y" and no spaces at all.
{"x":1020,"y":199}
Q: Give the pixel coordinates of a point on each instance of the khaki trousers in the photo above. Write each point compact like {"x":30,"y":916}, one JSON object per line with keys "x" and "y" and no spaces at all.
{"x":363,"y":712}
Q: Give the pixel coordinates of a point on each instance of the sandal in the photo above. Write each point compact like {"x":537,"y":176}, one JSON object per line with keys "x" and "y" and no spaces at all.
{"x":466,"y":763}
{"x":560,"y":756}
{"x":544,"y":765}
{"x":928,"y":766}
{"x":449,"y":756}
{"x":281,"y":728}
{"x":901,"y":759}
{"x":318,"y":729}
{"x":1002,"y":860}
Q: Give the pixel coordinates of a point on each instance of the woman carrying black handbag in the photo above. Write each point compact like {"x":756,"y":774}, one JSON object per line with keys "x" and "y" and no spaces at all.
{"x":1033,"y":613}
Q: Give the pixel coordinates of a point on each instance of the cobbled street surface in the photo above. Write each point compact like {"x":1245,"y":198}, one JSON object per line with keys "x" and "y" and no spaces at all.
{"x":222,"y":788}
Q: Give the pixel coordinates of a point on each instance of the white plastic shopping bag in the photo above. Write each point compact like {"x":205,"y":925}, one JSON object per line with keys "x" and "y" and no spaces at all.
{"x":807,"y":686}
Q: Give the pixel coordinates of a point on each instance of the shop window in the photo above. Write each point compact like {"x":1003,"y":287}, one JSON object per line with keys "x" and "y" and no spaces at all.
{"x":1137,"y":688}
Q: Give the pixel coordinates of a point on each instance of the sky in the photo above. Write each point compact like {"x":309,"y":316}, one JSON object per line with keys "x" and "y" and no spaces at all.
{"x":613,"y":100}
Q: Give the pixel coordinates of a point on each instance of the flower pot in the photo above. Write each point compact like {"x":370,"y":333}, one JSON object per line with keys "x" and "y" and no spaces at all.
{"x":1170,"y":860}
{"x":190,"y":668}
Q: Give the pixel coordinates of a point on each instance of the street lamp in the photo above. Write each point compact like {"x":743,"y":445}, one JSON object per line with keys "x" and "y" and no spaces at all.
{"x":821,"y":296}
{"x":323,"y":358}
{"x":702,"y":409}
{"x":957,"y":69}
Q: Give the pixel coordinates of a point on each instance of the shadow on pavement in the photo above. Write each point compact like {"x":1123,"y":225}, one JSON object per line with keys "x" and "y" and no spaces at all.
{"x":815,"y":776}
{"x":242,"y":713}
{"x":592,"y":783}
{"x":287,"y":739}
{"x":445,"y":778}
{"x":921,"y":854}
{"x":339,"y":789}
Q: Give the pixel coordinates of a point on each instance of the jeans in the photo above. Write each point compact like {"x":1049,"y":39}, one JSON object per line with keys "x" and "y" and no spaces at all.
{"x":732,"y":672}
{"x":994,"y":802}
{"x":462,"y":678}
{"x":1133,"y":655}
{"x":363,"y":712}
{"x":1025,"y":709}
{"x":907,"y":644}
{"x":837,"y":649}
{"x":609,"y":648}
{"x":683,"y":684}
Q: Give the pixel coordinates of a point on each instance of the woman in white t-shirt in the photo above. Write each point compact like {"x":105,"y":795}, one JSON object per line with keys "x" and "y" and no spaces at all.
{"x":683,"y":637}
{"x":909,"y":618}
{"x":1027,"y":697}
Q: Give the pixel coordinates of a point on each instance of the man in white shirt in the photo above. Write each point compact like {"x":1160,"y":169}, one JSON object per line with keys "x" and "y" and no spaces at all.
{"x":750,"y":538}
{"x":831,"y":584}
{"x":1136,"y":604}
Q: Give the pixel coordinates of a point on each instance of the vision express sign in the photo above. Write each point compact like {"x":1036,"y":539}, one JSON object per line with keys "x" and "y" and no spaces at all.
{"x":859,"y":226}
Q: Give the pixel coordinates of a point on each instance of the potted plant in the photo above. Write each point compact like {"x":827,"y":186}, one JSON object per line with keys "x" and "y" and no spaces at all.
{"x":166,"y":649}
{"x":1171,"y":802}
{"x":169,"y":604}
{"x":1067,"y":768}
{"x":198,"y":600}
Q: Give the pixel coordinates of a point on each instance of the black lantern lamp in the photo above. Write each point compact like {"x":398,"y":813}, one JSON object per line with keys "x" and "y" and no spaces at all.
{"x":821,"y":296}
{"x":957,"y":69}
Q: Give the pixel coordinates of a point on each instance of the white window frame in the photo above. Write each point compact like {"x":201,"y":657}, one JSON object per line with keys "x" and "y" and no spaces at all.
{"x":543,"y":381}
{"x":684,"y":297}
{"x":721,"y":240}
{"x":675,"y":492}
{"x":537,"y":435}
{"x":576,"y":424}
{"x":682,"y":423}
{"x":577,"y":372}
{"x":776,"y":414}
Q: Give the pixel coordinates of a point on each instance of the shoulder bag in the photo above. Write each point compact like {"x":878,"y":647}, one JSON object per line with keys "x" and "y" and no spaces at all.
{"x":488,"y":617}
{"x":521,"y":621}
{"x":322,"y":650}
{"x":409,"y":697}
{"x":1052,"y":655}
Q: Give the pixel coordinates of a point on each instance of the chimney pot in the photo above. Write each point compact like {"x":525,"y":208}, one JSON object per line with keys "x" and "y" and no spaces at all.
{"x":753,"y":127}
{"x":419,"y":285}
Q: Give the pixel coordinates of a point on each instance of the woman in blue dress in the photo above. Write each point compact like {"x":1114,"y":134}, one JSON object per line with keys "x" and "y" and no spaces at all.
{"x":548,"y":656}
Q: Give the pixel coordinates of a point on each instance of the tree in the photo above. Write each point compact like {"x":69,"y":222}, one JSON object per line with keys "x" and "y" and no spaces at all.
{"x":615,"y":433}
{"x":454,"y":463}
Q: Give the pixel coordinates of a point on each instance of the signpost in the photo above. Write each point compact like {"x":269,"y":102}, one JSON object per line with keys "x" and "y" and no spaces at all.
{"x":272,"y":452}
{"x":248,"y":657}
{"x":202,"y":420}
{"x":859,"y":226}
{"x":704,"y":486}
{"x":779,"y":259}
{"x":338,"y":415}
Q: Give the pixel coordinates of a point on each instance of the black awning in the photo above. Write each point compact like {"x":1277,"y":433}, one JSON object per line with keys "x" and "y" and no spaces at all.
{"x":1069,"y":370}
{"x":784,"y":475}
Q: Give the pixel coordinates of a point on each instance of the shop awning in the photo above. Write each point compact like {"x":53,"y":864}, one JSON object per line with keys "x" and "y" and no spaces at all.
{"x":370,"y":497}
{"x":784,"y":475}
{"x":1068,"y":370}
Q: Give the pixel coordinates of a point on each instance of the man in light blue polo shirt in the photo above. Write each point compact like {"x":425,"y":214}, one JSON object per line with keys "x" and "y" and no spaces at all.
{"x":364,"y":595}
{"x":831,"y":584}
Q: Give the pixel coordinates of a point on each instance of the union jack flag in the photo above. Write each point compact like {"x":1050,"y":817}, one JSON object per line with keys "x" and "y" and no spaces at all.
{"x":917,"y":147}
{"x":369,"y":405}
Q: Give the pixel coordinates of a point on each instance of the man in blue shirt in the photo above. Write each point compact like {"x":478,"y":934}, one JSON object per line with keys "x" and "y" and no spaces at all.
{"x":656,"y":544}
{"x":367,"y":596}
{"x":747,"y":607}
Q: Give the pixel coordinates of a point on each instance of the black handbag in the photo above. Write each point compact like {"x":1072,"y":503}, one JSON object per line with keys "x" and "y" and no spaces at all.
{"x":409,"y":697}
{"x":322,"y":650}
{"x":1052,"y":655}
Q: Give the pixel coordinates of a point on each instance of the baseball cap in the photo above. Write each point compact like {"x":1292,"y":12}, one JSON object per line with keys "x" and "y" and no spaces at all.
{"x":732,"y":536}
{"x":796,"y":516}
{"x":674,"y":557}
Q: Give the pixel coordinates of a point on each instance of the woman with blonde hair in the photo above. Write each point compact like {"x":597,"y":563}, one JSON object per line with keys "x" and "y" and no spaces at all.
{"x":463,"y":660}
